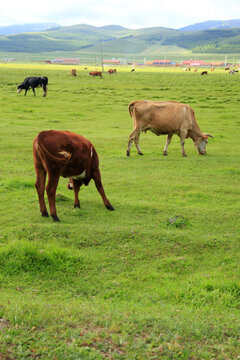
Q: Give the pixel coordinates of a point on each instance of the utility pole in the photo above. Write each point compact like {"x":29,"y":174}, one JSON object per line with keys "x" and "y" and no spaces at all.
{"x":101,"y":56}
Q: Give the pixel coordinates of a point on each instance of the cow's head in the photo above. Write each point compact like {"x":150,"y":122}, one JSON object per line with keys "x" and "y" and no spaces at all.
{"x":19,"y":88}
{"x":201,"y":143}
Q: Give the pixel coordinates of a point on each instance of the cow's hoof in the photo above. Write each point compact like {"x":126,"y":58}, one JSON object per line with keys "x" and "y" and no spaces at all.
{"x":164,"y":153}
{"x":140,"y":153}
{"x":184,"y":155}
{"x":55,"y":218}
{"x":45,"y":214}
{"x":77,"y":206}
{"x":110,"y":207}
{"x":128,"y":153}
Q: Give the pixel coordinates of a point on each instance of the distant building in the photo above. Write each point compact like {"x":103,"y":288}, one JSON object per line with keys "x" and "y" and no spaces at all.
{"x":158,"y":62}
{"x":66,"y":61}
{"x":162,"y":62}
{"x":112,"y":62}
{"x":8,"y":59}
{"x":217,"y":63}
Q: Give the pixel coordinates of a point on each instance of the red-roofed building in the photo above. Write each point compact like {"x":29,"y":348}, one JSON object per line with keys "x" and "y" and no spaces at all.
{"x":112,"y":62}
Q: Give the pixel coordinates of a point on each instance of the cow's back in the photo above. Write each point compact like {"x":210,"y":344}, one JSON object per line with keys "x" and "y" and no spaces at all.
{"x":161,"y":117}
{"x":55,"y":142}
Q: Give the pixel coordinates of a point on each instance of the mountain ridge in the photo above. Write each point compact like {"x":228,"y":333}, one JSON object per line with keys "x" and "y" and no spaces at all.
{"x":118,"y":39}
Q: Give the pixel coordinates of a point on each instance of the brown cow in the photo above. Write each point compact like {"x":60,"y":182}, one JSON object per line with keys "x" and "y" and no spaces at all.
{"x":112,"y":71}
{"x":166,"y":118}
{"x":73,"y":72}
{"x":204,"y":73}
{"x":64,"y":153}
{"x":96,"y":73}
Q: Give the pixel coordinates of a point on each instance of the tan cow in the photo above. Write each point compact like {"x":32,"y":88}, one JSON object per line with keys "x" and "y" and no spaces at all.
{"x":166,"y":118}
{"x":74,"y":72}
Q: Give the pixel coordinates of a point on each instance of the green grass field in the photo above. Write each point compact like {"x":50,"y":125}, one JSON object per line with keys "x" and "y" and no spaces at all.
{"x":158,"y":278}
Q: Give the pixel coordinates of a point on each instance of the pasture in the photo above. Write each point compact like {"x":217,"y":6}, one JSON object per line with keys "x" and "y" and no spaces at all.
{"x":158,"y":278}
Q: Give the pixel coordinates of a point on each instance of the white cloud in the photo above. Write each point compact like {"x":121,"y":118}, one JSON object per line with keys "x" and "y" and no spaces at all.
{"x":132,"y":14}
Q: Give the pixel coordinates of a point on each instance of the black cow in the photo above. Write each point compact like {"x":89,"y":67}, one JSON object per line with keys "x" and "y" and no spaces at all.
{"x":33,"y":82}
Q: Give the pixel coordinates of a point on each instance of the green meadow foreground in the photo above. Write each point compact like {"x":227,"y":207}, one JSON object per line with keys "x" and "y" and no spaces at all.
{"x":158,"y":278}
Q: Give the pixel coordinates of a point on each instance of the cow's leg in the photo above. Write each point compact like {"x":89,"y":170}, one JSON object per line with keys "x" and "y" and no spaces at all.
{"x":134,"y":136}
{"x":40,"y":187}
{"x":44,"y":90}
{"x":168,"y":140}
{"x":76,"y":187}
{"x":51,"y":193}
{"x":26,"y":92}
{"x":33,"y":89}
{"x":97,"y":179}
{"x":183,"y":135}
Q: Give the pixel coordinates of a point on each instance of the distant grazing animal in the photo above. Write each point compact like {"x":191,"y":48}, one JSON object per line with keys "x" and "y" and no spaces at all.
{"x":64,"y":153}
{"x":212,"y":69}
{"x":166,"y":118}
{"x":227,"y":68}
{"x":112,"y":71}
{"x":32,"y":83}
{"x":231,"y":72}
{"x":236,"y":71}
{"x":132,"y":70}
{"x":195,"y":70}
{"x":96,"y":73}
{"x":73,"y":72}
{"x":204,"y":73}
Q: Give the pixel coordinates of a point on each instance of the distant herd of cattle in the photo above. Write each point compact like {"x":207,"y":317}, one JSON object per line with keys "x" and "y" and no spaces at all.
{"x":64,"y":153}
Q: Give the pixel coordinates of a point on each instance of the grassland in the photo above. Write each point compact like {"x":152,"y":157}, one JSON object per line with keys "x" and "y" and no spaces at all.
{"x":158,"y":278}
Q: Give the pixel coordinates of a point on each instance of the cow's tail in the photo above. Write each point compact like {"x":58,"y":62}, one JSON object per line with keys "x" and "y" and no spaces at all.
{"x":131,"y":107}
{"x":44,"y":85}
{"x":65,"y":156}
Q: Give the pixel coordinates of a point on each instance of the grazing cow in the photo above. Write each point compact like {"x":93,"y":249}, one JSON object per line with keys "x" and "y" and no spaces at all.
{"x":32,"y":83}
{"x":132,"y":70}
{"x":96,"y":73}
{"x":73,"y":72}
{"x":195,"y":70}
{"x":212,"y":69}
{"x":63,"y":153}
{"x":204,"y":73}
{"x":231,"y":72}
{"x":227,"y":68}
{"x":166,"y":118}
{"x":112,"y":71}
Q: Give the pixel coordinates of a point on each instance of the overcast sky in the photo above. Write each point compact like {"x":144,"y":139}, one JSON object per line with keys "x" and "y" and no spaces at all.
{"x":128,"y":13}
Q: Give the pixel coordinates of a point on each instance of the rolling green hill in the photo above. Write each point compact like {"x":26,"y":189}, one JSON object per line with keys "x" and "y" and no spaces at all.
{"x":117,"y":39}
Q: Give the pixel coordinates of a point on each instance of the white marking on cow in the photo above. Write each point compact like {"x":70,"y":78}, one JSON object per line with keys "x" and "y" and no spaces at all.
{"x":66,"y":154}
{"x":80,"y":176}
{"x":91,"y":151}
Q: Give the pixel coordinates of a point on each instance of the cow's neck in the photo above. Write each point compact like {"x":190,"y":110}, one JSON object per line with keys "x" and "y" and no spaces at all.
{"x":195,"y":133}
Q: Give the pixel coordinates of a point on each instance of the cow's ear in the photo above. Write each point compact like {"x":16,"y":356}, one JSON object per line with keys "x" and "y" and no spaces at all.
{"x":208,"y":135}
